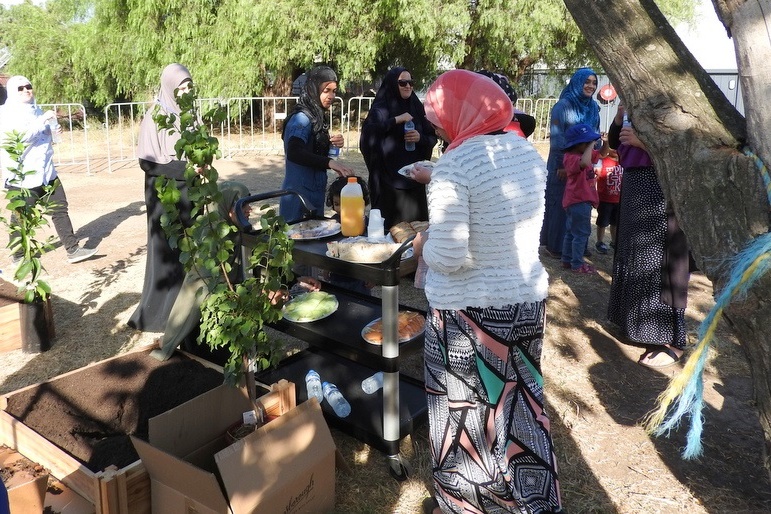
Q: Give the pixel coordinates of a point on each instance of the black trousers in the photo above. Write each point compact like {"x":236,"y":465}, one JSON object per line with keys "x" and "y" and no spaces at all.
{"x":59,"y":213}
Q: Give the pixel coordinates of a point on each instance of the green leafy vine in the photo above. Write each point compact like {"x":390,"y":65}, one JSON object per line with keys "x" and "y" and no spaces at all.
{"x":234,"y":313}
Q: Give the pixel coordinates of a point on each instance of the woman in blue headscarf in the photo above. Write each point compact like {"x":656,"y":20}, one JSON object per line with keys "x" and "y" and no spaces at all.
{"x":575,"y":105}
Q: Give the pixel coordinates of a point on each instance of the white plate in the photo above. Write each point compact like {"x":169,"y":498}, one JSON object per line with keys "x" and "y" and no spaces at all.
{"x":402,"y":339}
{"x":312,"y":297}
{"x":313,"y":229}
{"x":405,"y":170}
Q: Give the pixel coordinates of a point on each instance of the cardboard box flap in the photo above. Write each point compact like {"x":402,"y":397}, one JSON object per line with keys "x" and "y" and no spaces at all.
{"x":183,"y":429}
{"x":175,"y":473}
{"x":277,"y":454}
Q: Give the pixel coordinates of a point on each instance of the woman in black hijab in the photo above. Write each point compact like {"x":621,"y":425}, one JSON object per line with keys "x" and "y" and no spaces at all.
{"x":306,"y":145}
{"x":382,"y":144}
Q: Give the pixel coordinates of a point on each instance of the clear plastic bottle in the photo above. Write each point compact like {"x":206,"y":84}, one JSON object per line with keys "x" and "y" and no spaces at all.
{"x":334,"y":152}
{"x":56,"y":137}
{"x":336,"y":400}
{"x":313,"y":385}
{"x":410,"y":147}
{"x":625,"y":122}
{"x":352,"y":209}
{"x":371,"y":384}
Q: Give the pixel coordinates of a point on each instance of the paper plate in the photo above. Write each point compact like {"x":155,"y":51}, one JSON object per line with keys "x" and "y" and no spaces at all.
{"x":405,"y":170}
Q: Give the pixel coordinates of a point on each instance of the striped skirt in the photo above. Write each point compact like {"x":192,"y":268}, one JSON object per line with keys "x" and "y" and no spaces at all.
{"x":490,"y":437}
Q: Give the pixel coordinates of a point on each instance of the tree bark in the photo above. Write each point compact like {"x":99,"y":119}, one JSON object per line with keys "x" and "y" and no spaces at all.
{"x":695,"y":137}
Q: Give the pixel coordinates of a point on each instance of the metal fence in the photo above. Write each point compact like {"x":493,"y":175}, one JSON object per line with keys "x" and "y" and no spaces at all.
{"x":253,"y":125}
{"x":73,"y":148}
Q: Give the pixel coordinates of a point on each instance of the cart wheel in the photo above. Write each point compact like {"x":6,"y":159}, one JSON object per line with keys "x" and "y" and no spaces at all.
{"x":399,"y":467}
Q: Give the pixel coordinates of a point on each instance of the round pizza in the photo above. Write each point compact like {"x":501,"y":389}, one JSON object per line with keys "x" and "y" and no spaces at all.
{"x":311,"y":306}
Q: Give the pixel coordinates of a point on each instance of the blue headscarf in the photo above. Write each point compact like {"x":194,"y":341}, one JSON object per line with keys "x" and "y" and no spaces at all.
{"x":584,"y":108}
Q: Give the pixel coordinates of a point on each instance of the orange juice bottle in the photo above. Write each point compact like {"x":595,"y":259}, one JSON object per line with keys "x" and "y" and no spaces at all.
{"x":352,"y":209}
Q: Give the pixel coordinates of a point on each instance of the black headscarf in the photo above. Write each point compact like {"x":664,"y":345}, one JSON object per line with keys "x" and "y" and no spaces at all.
{"x":386,"y":151}
{"x":309,"y":103}
{"x":389,"y":98}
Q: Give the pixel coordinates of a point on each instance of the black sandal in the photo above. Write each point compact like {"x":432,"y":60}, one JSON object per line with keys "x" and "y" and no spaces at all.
{"x":429,"y":504}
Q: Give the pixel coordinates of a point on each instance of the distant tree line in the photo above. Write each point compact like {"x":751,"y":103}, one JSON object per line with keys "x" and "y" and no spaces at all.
{"x":103,"y":51}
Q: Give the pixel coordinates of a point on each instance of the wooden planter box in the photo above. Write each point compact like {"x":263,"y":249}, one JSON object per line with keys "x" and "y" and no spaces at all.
{"x":11,"y":319}
{"x":112,"y":490}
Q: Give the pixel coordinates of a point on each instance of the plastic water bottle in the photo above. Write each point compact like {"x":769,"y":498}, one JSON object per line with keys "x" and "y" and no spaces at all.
{"x":54,"y":126}
{"x":371,"y":384}
{"x":352,"y":208}
{"x":626,"y":122}
{"x":313,"y":386}
{"x":334,"y":152}
{"x":336,"y":400}
{"x":410,"y":147}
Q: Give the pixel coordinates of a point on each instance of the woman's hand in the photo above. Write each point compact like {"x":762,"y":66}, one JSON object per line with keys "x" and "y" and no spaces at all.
{"x":629,"y":137}
{"x":403,"y":118}
{"x":48,"y":115}
{"x":411,"y":136}
{"x":337,"y":140}
{"x":421,"y":174}
{"x":620,"y":110}
{"x":341,"y":169}
{"x":308,"y":283}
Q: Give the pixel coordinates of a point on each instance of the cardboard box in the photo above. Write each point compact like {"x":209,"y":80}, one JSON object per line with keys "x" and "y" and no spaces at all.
{"x":26,"y":489}
{"x":286,"y":466}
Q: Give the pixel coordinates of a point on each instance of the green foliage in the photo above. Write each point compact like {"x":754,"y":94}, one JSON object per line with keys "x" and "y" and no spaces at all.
{"x":109,"y":50}
{"x":27,"y":218}
{"x":233,"y":315}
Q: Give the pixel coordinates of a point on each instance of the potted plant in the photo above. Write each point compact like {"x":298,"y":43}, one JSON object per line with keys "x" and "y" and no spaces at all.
{"x":26,"y":245}
{"x":233,"y":315}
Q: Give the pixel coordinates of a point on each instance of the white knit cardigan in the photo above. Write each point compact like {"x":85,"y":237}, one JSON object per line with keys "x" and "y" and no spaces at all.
{"x":486,"y":206}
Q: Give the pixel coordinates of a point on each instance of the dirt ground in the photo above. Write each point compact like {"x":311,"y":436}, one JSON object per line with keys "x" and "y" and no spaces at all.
{"x":596,"y":393}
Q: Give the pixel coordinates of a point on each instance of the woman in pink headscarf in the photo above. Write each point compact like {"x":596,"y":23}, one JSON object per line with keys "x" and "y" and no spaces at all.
{"x":490,"y":440}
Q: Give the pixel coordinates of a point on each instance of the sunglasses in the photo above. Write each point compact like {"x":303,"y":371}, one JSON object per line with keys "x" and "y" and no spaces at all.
{"x":405,"y":83}
{"x":28,"y":87}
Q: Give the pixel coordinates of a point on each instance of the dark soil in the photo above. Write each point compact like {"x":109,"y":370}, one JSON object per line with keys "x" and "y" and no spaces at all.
{"x":91,"y":413}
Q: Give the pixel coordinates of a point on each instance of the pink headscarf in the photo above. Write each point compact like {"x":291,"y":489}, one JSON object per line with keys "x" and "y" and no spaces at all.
{"x":466,"y":104}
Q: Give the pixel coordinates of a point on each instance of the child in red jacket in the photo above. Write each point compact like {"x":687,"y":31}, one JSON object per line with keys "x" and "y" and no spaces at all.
{"x":609,"y":191}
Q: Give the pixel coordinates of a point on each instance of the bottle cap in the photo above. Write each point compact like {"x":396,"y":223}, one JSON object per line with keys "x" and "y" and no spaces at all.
{"x":353,"y":180}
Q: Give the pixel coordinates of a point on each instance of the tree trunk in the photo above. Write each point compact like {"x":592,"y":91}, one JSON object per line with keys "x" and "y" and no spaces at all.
{"x":694,"y":136}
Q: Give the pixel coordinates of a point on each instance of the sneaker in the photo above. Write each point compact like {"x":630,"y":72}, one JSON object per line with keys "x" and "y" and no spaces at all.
{"x":586,"y":269}
{"x":601,"y":247}
{"x":80,"y":254}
